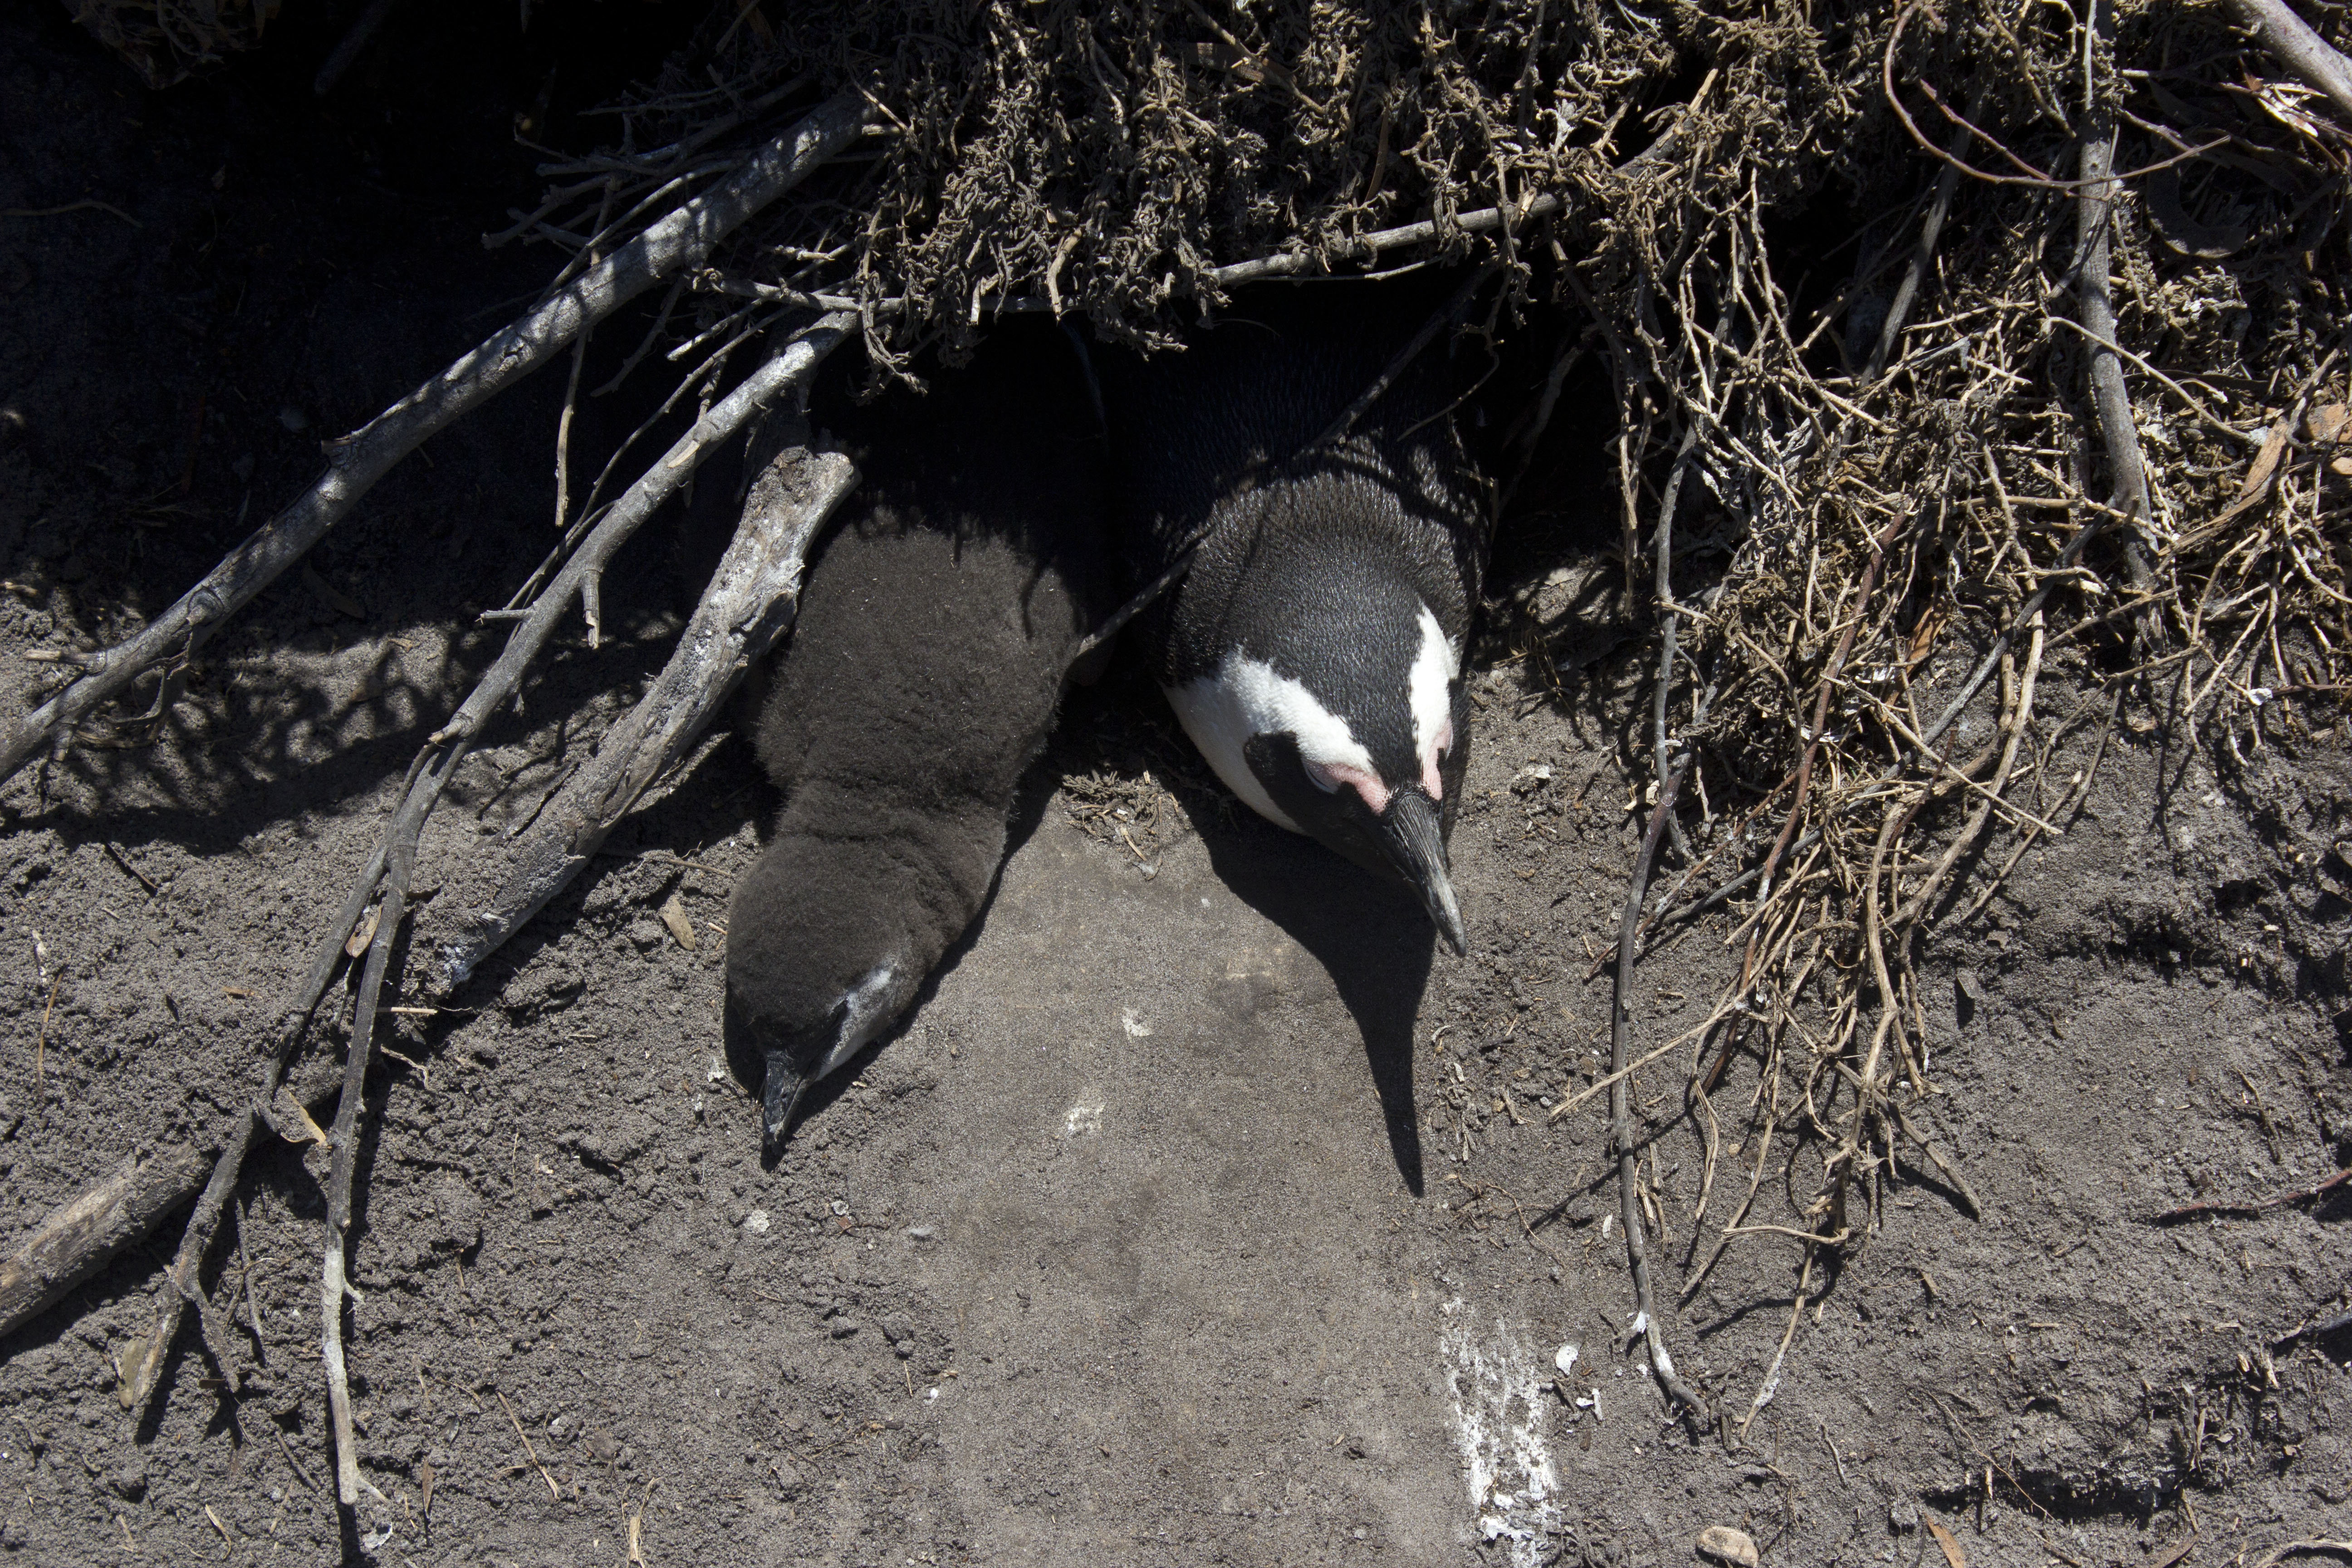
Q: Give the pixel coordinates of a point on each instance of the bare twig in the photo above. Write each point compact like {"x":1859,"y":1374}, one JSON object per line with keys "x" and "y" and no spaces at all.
{"x":1906,"y":293}
{"x":400,"y":861}
{"x":789,"y":367}
{"x":2305,"y":53}
{"x":78,"y":1239}
{"x":358,"y":460}
{"x":1621,"y":1112}
{"x":2095,"y":212}
{"x":1772,"y":1383}
{"x":553,"y":1489}
{"x":153,"y":1349}
{"x":572,"y":397}
{"x":2258,"y":1206}
{"x":444,"y":750}
{"x":1290,"y":264}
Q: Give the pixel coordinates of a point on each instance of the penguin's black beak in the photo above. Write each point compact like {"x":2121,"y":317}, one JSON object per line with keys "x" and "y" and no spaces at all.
{"x":780,"y":1096}
{"x":1413,"y":838}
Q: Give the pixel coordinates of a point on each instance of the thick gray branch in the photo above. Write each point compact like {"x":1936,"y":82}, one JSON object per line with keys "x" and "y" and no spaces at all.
{"x":83,"y":1235}
{"x":750,"y":601}
{"x":76,"y":1241}
{"x":2290,"y":38}
{"x":789,"y":366}
{"x":358,"y":460}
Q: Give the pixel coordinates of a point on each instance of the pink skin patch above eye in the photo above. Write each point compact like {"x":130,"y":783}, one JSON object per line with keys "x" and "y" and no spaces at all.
{"x":1430,"y":780}
{"x":1331,"y":775}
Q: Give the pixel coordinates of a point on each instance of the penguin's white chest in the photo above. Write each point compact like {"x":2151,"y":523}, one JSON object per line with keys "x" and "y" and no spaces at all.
{"x":1245,"y":697}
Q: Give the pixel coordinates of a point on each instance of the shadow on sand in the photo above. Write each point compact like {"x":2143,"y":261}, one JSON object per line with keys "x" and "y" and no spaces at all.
{"x":1372,"y":938}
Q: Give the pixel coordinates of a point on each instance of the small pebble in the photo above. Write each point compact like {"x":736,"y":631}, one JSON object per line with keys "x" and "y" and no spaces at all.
{"x":1724,"y":1544}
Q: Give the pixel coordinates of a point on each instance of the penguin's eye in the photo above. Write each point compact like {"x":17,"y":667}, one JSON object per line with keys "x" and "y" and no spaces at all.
{"x":1321,"y":777}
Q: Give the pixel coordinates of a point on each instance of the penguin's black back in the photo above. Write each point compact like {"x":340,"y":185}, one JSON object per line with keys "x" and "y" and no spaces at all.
{"x":1221,"y":436}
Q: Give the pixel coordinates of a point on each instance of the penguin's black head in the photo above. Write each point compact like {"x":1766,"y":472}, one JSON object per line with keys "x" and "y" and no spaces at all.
{"x":1338,"y":710}
{"x":816,"y":966}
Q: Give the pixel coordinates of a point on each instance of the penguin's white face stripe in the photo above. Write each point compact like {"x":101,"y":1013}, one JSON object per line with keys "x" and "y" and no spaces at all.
{"x":1246,"y":698}
{"x":868,"y":1009}
{"x":1428,"y":689}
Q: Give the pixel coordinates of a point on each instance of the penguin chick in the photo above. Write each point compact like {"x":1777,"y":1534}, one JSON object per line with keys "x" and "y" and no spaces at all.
{"x":921,"y":680}
{"x":1313,"y":649}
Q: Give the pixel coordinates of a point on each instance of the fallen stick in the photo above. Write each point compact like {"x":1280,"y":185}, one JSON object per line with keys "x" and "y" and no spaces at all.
{"x":789,"y":367}
{"x":751,"y":600}
{"x":2277,"y":1200}
{"x":354,"y":463}
{"x":82,"y":1235}
{"x":1291,"y":263}
{"x":1923,"y":253}
{"x":151,"y":1352}
{"x":76,"y":1241}
{"x":2094,"y":217}
{"x":2304,"y":51}
{"x":1621,"y":1111}
{"x":335,"y":1285}
{"x":444,"y":750}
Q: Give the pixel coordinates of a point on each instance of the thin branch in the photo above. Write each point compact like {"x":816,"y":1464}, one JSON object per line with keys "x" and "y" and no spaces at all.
{"x":2256,"y":1206}
{"x":2095,"y":210}
{"x":1621,"y":1112}
{"x":76,"y":1240}
{"x":400,"y":861}
{"x":2033,"y":176}
{"x":1292,"y":263}
{"x":791,"y":366}
{"x":751,"y":600}
{"x":1906,"y":293}
{"x":2304,"y":52}
{"x":358,"y":460}
{"x":143,"y":1365}
{"x":444,"y":751}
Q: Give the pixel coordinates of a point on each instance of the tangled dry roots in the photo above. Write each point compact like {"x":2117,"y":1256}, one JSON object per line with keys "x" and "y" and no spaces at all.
{"x":165,"y":41}
{"x":1108,"y":158}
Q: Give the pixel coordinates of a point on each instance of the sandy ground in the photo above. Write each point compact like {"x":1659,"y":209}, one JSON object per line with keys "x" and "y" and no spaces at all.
{"x":1198,"y":1213}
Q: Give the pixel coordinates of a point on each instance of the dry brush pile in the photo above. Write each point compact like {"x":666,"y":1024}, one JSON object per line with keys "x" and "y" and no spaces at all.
{"x":1945,"y":338}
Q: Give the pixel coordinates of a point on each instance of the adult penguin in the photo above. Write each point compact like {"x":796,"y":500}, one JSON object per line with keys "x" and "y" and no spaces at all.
{"x":1297,"y":465}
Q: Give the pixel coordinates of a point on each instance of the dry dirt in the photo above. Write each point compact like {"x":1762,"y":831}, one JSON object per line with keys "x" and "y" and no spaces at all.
{"x":1198,"y":1215}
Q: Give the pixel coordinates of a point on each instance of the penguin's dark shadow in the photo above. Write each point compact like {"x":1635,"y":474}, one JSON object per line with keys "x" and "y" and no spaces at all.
{"x":1371,"y":937}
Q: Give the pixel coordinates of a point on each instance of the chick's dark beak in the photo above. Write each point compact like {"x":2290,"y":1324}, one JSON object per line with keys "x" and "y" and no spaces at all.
{"x":780,"y":1096}
{"x":1414,"y":839}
